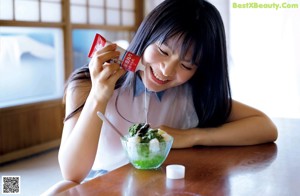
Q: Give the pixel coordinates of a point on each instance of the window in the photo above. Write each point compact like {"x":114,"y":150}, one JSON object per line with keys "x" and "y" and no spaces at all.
{"x":31,"y":58}
{"x":31,"y":65}
{"x":38,"y":37}
{"x":31,"y":10}
{"x":112,"y":12}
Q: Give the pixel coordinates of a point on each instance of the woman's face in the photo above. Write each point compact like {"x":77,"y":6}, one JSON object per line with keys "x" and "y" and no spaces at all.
{"x":164,"y":68}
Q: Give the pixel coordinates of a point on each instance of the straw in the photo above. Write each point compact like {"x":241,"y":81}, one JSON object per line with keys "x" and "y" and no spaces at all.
{"x":102,"y":117}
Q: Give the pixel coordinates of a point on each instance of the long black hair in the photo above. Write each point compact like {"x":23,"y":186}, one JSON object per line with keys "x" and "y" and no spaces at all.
{"x":199,"y":24}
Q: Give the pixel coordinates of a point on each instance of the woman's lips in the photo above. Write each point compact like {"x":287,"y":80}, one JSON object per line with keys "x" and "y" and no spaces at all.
{"x":157,"y":78}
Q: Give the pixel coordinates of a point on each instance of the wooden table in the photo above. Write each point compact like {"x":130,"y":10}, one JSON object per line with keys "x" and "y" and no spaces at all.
{"x":262,"y":170}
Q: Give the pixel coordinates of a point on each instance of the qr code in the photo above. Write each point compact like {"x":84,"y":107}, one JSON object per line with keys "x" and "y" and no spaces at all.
{"x":10,"y":184}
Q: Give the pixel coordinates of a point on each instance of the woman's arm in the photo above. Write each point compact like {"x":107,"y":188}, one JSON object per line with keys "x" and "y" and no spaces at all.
{"x":81,"y":132}
{"x":245,"y":126}
{"x":80,"y":140}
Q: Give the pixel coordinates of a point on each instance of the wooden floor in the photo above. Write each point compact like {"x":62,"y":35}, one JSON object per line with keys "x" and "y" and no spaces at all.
{"x":37,"y":173}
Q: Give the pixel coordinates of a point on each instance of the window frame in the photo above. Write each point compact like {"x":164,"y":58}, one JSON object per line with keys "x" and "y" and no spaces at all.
{"x":67,"y":27}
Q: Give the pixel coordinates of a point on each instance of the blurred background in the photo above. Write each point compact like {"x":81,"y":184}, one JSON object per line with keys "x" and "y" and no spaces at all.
{"x":43,"y":41}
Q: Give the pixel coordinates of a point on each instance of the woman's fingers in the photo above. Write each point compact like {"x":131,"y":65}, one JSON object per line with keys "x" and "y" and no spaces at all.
{"x":106,"y":48}
{"x":106,"y":53}
{"x":104,"y":72}
{"x":101,"y":57}
{"x":111,"y":71}
{"x":104,"y":83}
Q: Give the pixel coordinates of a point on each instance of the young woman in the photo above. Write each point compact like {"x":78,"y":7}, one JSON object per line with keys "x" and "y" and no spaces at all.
{"x":183,"y":49}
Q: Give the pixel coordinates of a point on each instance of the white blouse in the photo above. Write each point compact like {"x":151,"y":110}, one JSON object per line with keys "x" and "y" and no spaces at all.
{"x":175,"y":109}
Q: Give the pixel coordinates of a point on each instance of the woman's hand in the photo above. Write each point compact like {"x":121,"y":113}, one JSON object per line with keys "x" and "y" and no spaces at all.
{"x":104,"y":74}
{"x":182,"y":138}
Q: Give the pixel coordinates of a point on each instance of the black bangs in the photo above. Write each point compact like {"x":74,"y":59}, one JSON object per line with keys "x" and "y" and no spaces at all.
{"x":175,"y":21}
{"x":191,"y":43}
{"x":188,"y":42}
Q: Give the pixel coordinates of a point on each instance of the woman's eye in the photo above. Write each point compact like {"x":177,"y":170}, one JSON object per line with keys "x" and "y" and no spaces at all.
{"x":187,"y":67}
{"x":162,"y":52}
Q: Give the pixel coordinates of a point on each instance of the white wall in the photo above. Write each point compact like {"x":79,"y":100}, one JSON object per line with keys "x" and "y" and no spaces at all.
{"x":263,"y":52}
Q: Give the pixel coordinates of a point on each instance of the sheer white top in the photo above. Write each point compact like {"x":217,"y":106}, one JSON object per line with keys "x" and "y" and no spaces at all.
{"x":175,"y":109}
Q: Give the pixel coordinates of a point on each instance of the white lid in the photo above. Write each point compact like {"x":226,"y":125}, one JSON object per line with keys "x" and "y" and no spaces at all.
{"x":175,"y":171}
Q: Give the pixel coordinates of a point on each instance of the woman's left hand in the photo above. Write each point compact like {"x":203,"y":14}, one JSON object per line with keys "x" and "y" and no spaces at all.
{"x":182,"y":138}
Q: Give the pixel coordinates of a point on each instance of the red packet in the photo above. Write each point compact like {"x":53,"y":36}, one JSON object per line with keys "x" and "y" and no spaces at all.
{"x":127,"y":60}
{"x":98,"y":43}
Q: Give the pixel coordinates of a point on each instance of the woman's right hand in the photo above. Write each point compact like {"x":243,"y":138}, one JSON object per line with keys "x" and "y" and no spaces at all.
{"x":81,"y":132}
{"x":104,"y":74}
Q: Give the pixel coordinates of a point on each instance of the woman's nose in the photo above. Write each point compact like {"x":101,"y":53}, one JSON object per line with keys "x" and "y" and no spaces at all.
{"x":169,"y":68}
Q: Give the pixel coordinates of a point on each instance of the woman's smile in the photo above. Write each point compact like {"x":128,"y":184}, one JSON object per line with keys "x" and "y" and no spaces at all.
{"x":157,"y":78}
{"x":164,"y":67}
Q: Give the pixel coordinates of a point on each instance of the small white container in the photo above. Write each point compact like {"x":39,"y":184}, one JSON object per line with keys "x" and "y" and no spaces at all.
{"x":175,"y":171}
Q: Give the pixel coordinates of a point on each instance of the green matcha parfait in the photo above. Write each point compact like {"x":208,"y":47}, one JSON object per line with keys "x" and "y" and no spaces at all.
{"x":147,"y":148}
